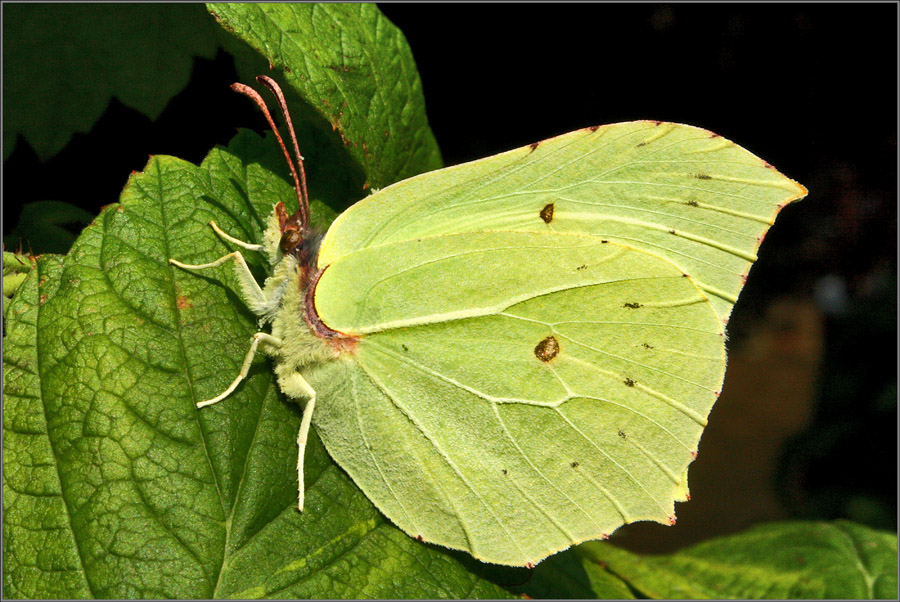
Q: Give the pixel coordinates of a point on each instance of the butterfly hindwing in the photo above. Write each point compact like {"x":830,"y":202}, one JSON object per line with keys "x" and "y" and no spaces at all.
{"x":483,"y":406}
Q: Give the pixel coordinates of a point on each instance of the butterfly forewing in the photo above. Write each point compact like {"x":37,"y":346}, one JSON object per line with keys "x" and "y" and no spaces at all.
{"x":681,"y":192}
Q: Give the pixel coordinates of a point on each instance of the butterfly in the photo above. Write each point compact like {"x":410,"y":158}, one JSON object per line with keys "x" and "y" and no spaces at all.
{"x":517,"y":354}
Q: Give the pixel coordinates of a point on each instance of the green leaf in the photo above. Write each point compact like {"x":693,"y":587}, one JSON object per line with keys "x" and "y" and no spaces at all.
{"x":114,"y":484}
{"x":355,"y":69}
{"x":65,"y":61}
{"x":48,"y":226}
{"x":40,"y":555}
{"x":781,"y":560}
{"x":15,"y":270}
{"x":573,"y":574}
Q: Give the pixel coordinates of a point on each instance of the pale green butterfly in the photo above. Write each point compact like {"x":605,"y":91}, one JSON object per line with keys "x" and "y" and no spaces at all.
{"x":517,"y":354}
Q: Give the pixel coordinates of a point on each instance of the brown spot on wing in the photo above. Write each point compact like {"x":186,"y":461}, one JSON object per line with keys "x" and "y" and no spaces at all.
{"x":547,"y":349}
{"x":547,"y":213}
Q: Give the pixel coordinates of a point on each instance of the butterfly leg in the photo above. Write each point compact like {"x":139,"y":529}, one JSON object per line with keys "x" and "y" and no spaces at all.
{"x":234,"y":240}
{"x":259,"y":337}
{"x":296,"y":386}
{"x":260,"y":301}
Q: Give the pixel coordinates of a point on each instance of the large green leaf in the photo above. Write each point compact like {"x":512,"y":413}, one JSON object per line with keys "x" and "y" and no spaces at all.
{"x":781,"y":560}
{"x":353,"y":67}
{"x":114,"y":484}
{"x":63,"y":62}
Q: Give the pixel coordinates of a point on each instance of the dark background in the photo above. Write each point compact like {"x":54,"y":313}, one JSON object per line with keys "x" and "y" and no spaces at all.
{"x":807,"y":424}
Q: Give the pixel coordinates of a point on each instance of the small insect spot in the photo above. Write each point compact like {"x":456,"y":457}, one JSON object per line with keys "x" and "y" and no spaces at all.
{"x":604,"y":536}
{"x":547,"y":213}
{"x":646,"y":346}
{"x":387,"y":134}
{"x":629,"y":382}
{"x":581,"y":267}
{"x":671,"y":231}
{"x":768,"y":165}
{"x":182,"y":302}
{"x":504,"y":471}
{"x":671,"y":520}
{"x":404,"y":347}
{"x":603,"y":242}
{"x":702,"y":176}
{"x":533,"y":146}
{"x":547,"y":349}
{"x":42,"y":299}
{"x":743,"y":278}
{"x":633,"y":305}
{"x":692,"y":204}
{"x":687,"y":496}
{"x":574,"y":464}
{"x":622,"y":434}
{"x":640,"y":144}
{"x":529,"y":565}
{"x":714,"y":135}
{"x":718,"y":393}
{"x":657,"y":123}
{"x":694,"y":455}
{"x":420,"y":538}
{"x":594,"y":128}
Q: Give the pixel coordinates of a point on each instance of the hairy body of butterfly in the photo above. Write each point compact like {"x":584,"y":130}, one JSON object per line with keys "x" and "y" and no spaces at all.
{"x":517,"y":354}
{"x":298,"y":339}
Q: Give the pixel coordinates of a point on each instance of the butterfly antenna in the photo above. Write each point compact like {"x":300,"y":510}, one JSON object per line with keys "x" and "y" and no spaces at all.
{"x":255,"y":97}
{"x":276,"y":90}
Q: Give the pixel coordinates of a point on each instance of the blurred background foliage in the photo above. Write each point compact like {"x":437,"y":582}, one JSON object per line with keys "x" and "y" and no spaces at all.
{"x":807,"y":424}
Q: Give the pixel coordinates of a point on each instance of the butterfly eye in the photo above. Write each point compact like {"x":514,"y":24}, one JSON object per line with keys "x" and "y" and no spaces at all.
{"x":290,"y":240}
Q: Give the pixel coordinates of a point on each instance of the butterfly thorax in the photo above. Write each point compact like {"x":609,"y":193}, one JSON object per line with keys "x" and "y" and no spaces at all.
{"x":293,"y":251}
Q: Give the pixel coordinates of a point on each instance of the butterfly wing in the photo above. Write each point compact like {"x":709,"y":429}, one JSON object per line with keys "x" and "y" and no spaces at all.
{"x":681,"y":192}
{"x":520,"y":383}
